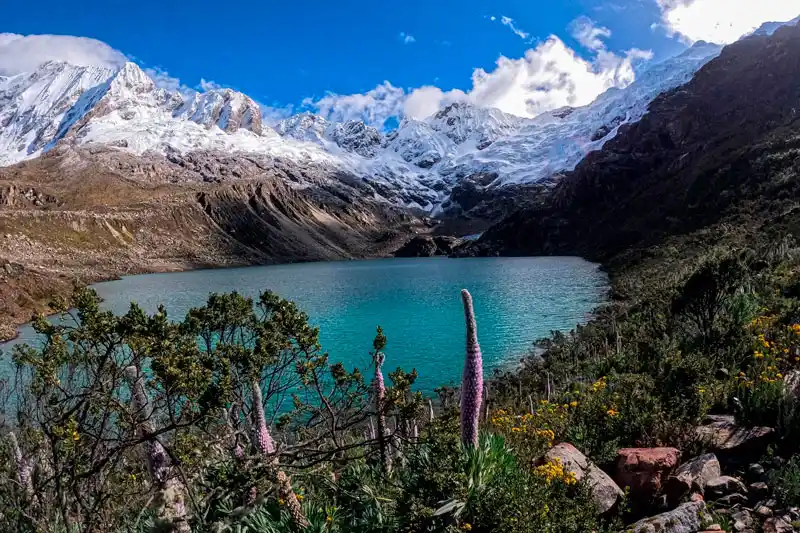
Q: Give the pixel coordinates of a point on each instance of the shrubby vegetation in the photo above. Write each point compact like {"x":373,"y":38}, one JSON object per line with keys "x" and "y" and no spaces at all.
{"x":235,"y":420}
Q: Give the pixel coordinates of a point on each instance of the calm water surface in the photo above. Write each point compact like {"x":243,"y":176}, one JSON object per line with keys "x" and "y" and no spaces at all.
{"x":416,"y":301}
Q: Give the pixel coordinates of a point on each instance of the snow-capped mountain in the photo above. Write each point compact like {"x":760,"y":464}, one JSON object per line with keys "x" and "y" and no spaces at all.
{"x":415,"y":165}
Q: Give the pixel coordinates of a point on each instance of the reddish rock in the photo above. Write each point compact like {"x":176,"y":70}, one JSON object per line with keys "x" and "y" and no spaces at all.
{"x":645,"y":470}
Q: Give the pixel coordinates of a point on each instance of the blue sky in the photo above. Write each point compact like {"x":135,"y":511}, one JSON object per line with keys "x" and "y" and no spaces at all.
{"x":282,"y":53}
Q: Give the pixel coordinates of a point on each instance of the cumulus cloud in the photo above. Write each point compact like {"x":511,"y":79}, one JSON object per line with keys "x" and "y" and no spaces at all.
{"x":589,"y":34}
{"x":373,"y":107}
{"x":719,"y":21}
{"x":425,"y":101}
{"x":162,"y":79}
{"x":23,"y":53}
{"x":406,"y":38}
{"x":508,"y":21}
{"x":208,"y":85}
{"x":549,"y":76}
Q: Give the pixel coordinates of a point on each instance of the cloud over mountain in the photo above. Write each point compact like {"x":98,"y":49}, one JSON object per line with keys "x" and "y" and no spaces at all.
{"x":23,"y":53}
{"x":722,"y":21}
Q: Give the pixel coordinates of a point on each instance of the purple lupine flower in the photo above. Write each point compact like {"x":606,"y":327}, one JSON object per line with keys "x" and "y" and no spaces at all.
{"x":264,"y":440}
{"x":472,"y":379}
{"x":267,"y":447}
{"x":23,"y":466}
{"x":157,"y":457}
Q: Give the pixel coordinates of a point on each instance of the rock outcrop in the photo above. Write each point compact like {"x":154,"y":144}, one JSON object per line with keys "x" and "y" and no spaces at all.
{"x":687,"y":518}
{"x":605,"y":492}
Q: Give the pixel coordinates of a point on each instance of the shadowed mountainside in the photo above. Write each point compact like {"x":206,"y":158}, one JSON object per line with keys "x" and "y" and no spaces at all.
{"x":724,"y":148}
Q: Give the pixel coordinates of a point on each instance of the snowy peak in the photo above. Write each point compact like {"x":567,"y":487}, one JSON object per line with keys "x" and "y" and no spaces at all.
{"x":351,"y":136}
{"x":356,"y":137}
{"x":418,"y":143}
{"x":33,"y":105}
{"x":225,"y":108}
{"x":130,"y":79}
{"x":462,"y":121}
{"x":305,"y":127}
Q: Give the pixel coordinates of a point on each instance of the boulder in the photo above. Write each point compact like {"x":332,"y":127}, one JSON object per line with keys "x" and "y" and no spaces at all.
{"x":763,"y":511}
{"x":777,"y":525}
{"x":686,"y":518}
{"x":755,"y":471}
{"x":645,"y":470}
{"x":758,"y":490}
{"x":791,"y":383}
{"x":723,"y":486}
{"x":605,"y":492}
{"x":692,"y":475}
{"x":742,"y":520}
{"x":721,"y":434}
{"x":732,"y":499}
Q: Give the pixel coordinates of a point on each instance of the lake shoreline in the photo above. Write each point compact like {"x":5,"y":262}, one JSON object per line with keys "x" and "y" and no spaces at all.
{"x":518,"y":301}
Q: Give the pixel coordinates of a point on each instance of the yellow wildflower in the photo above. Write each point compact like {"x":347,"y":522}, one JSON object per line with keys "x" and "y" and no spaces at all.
{"x":612,"y":413}
{"x":466,"y":526}
{"x":573,"y":404}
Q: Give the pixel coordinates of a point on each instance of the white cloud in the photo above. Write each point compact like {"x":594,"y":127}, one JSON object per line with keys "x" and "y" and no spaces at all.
{"x":272,"y":115}
{"x":508,"y":21}
{"x":721,"y":22}
{"x":550,"y":76}
{"x":208,"y":85}
{"x":373,"y":107}
{"x":407,"y":38}
{"x":589,"y":34}
{"x":23,"y":53}
{"x":162,"y":79}
{"x":425,"y":101}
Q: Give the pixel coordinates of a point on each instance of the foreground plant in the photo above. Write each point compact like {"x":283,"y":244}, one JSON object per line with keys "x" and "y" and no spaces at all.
{"x":472,"y":379}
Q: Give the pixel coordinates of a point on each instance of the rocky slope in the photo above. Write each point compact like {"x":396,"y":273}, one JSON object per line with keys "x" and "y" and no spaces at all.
{"x":81,"y":216}
{"x":723,"y":148}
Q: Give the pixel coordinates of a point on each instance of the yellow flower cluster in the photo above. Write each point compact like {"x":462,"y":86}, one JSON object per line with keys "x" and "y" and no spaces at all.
{"x":599,"y":385}
{"x":528,"y":423}
{"x":554,"y":471}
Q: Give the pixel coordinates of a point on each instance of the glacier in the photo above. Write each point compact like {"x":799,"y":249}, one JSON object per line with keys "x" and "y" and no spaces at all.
{"x":415,"y":165}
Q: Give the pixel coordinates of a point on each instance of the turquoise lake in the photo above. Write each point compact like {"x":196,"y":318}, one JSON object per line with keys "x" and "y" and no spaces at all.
{"x":416,"y":301}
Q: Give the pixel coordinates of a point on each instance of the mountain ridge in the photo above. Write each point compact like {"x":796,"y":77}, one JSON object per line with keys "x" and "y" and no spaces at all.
{"x":415,"y":166}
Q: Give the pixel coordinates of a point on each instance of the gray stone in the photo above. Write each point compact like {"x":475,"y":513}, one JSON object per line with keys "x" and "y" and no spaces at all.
{"x":742,"y":520}
{"x":763,"y":511}
{"x":777,"y":525}
{"x":758,"y":490}
{"x":693,"y":475}
{"x":605,"y":492}
{"x":755,"y":471}
{"x":791,"y":383}
{"x":684,"y":519}
{"x":721,"y":433}
{"x":723,"y":486}
{"x":732,"y":499}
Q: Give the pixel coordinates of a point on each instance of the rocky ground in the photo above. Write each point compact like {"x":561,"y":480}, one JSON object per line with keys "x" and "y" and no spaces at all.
{"x":77,"y":217}
{"x":674,"y":493}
